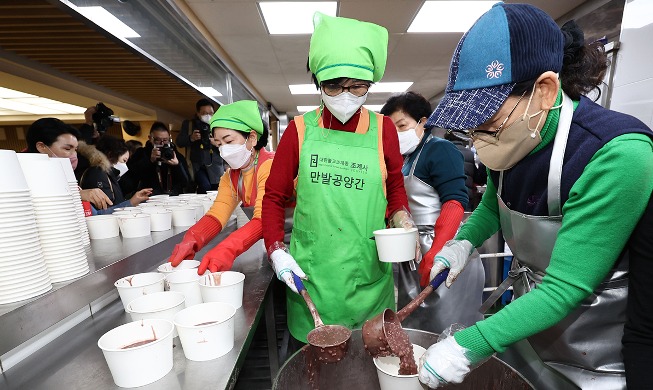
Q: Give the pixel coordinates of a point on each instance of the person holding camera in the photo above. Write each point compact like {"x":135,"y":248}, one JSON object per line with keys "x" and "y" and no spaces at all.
{"x":157,"y":165}
{"x":204,"y":156}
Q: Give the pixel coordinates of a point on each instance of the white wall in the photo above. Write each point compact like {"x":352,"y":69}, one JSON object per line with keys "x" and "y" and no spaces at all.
{"x":632,"y":83}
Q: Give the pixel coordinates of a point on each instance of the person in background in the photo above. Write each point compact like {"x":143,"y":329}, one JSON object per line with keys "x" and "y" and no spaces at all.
{"x":348,"y":167}
{"x":53,"y":137}
{"x":434,"y":179}
{"x":559,"y":192}
{"x":241,"y":135}
{"x":133,"y":145}
{"x":104,"y":158}
{"x":158,"y":165}
{"x":204,"y":156}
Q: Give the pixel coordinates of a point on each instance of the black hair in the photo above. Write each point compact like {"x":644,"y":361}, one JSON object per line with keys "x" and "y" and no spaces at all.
{"x":47,"y":130}
{"x":158,"y":126}
{"x":583,"y":65}
{"x":411,"y":103}
{"x":112,"y":147}
{"x":203,"y":102}
{"x":338,"y":80}
{"x":133,"y":145}
{"x":262,"y":141}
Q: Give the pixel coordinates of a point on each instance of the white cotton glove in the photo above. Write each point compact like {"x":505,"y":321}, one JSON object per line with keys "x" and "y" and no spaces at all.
{"x":453,"y":255}
{"x":283,"y":264}
{"x":443,"y":363}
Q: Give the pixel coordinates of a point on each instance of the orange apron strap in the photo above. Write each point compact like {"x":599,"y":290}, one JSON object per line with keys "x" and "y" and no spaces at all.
{"x":384,"y":169}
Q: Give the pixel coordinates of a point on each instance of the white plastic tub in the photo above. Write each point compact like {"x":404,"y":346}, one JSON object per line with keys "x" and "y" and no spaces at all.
{"x":183,"y":216}
{"x":134,"y":225}
{"x":160,"y":218}
{"x":224,"y":286}
{"x":186,"y":282}
{"x":102,"y":226}
{"x":396,"y":244}
{"x":206,"y":331}
{"x":137,"y":285}
{"x":159,"y":305}
{"x":387,"y":368}
{"x":140,"y":365}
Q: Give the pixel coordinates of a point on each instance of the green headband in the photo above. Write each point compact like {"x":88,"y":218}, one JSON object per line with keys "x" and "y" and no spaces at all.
{"x":242,"y":115}
{"x":342,"y":47}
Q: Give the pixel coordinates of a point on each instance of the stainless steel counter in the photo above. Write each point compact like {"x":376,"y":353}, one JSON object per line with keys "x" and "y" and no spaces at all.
{"x":74,"y":361}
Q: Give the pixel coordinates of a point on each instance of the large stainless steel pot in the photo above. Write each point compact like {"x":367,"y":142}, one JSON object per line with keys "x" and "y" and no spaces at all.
{"x":357,"y":371}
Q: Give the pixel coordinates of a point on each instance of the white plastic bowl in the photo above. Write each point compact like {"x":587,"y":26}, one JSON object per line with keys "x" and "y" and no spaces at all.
{"x":229,"y":289}
{"x":141,"y":365}
{"x":162,"y":305}
{"x":206,"y":331}
{"x":387,"y":368}
{"x":137,"y":225}
{"x":396,"y":244}
{"x":185,"y":281}
{"x":134,"y":286}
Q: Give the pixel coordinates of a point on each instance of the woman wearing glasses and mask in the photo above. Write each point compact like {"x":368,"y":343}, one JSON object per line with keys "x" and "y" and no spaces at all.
{"x":347,"y":166}
{"x":241,"y":136}
{"x":434,"y":178}
{"x":569,"y":183}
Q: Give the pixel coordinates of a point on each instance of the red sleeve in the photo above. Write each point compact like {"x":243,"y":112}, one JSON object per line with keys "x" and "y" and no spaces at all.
{"x":396,"y":192}
{"x":280,"y":185}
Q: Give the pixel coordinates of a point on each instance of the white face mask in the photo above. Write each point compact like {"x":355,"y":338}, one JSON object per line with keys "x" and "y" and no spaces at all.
{"x":408,"y":141}
{"x":206,"y":118}
{"x":236,"y":155}
{"x":122,"y":167}
{"x":343,"y":106}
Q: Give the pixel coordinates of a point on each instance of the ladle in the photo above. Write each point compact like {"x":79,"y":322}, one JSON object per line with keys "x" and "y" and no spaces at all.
{"x":330,"y":342}
{"x":375,"y":330}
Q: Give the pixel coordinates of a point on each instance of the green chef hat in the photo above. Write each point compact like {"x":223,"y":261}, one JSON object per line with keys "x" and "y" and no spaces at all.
{"x":342,"y":47}
{"x":242,"y":115}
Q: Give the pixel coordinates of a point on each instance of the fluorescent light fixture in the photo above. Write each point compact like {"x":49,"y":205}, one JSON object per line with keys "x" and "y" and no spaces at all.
{"x":290,"y":17}
{"x":637,"y":14}
{"x":306,"y":108}
{"x":390,"y":87}
{"x":303,"y":89}
{"x":448,"y":16}
{"x":210,"y":91}
{"x":373,"y":107}
{"x":21,"y":103}
{"x":107,"y":21}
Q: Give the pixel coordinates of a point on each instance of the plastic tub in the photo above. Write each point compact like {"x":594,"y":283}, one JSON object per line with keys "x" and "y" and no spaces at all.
{"x":160,"y":218}
{"x":160,"y":305}
{"x":224,"y":286}
{"x":137,"y":285}
{"x":186,"y":282}
{"x":206,"y":331}
{"x":183,"y":216}
{"x":387,"y":368}
{"x":395,"y":244}
{"x":137,"y":225}
{"x":138,"y":365}
{"x":102,"y":226}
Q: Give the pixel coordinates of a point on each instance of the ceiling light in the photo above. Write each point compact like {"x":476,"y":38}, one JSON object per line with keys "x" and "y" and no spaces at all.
{"x":448,"y":16}
{"x":373,"y":107}
{"x":209,"y":91}
{"x":303,"y":89}
{"x":27,"y":104}
{"x":107,"y":21}
{"x":390,"y":87}
{"x":290,"y":17}
{"x":307,"y":108}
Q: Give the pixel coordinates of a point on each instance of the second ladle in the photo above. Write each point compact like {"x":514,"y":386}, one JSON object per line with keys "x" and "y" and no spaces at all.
{"x":330,"y":341}
{"x":375,"y":330}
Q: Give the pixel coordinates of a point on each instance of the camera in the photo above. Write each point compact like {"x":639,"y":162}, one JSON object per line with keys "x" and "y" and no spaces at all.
{"x":205,"y":132}
{"x":103,"y":118}
{"x":167,"y":152}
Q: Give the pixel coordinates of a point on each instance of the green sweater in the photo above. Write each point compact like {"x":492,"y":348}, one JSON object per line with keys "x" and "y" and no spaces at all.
{"x":614,"y":190}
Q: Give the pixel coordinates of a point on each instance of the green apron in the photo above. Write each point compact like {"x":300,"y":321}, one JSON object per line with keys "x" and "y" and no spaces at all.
{"x":340,"y":202}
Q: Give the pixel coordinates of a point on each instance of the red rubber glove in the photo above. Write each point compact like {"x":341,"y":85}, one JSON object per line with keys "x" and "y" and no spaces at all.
{"x":445,"y":228}
{"x":195,"y":239}
{"x":222,"y":257}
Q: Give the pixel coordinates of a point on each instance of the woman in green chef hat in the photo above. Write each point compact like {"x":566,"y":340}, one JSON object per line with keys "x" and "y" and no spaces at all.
{"x":348,"y":167}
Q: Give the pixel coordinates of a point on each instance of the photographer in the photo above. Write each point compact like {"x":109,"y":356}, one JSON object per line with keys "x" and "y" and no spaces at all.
{"x":157,"y":165}
{"x":205,"y":158}
{"x":97,"y":119}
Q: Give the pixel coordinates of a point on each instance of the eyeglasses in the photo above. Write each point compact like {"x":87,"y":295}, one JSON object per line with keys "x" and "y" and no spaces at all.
{"x":160,"y":141}
{"x":467,"y":135}
{"x":336,"y":89}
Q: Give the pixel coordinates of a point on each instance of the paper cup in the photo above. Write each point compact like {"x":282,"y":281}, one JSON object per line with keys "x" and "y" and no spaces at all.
{"x":186,"y":282}
{"x":102,"y":226}
{"x":223,"y":287}
{"x":167,"y":267}
{"x":139,"y":365}
{"x":134,"y":286}
{"x":387,"y":368}
{"x":160,"y":305}
{"x":206,"y":331}
{"x":396,"y":244}
{"x":183,"y":216}
{"x":160,"y":219}
{"x":131,"y":226}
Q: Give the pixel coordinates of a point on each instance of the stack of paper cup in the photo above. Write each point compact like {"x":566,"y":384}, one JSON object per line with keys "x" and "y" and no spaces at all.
{"x":23,"y":273}
{"x":77,"y":199}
